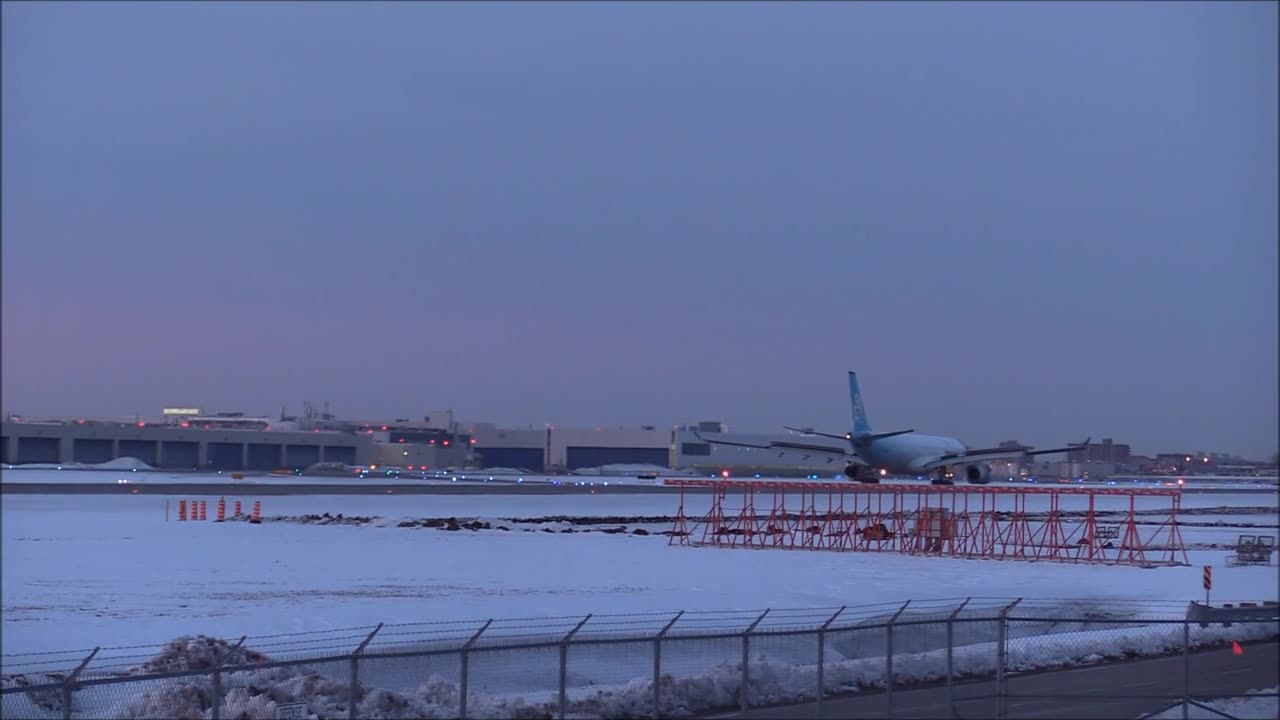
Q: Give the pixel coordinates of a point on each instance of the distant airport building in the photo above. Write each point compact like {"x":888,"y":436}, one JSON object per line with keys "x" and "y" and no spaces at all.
{"x":552,"y":449}
{"x":557,"y":449}
{"x":1106,"y":451}
{"x":177,"y":447}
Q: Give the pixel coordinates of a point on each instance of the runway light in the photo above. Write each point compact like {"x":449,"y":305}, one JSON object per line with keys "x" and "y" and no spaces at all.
{"x":724,"y":473}
{"x":883,"y":472}
{"x":1180,"y":481}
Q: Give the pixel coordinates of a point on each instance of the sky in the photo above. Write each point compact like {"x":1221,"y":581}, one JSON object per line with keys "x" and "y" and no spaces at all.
{"x":1015,"y":220}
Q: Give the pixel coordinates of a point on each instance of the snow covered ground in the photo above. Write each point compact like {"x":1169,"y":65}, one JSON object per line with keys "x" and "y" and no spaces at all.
{"x":110,"y":570}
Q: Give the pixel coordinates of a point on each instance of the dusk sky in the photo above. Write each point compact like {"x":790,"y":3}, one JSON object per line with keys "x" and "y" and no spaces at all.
{"x":1015,"y":220}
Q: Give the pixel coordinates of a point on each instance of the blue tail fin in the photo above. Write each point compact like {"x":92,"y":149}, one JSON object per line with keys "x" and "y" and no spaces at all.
{"x":860,"y":424}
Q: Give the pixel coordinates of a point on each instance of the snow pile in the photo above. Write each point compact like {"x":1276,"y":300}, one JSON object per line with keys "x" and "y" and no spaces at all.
{"x":123,"y":463}
{"x":198,"y":653}
{"x":623,"y":469}
{"x":255,"y":693}
{"x":1263,"y":708}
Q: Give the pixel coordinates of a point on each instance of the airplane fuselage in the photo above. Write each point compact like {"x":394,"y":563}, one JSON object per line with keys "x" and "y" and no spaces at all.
{"x":904,"y":454}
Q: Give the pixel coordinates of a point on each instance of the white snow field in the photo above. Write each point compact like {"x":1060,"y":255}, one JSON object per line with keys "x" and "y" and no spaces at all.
{"x":81,"y":571}
{"x":88,"y":570}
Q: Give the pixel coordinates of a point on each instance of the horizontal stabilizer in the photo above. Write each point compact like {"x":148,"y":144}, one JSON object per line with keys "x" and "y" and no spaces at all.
{"x":883,"y":435}
{"x":812,"y":448}
{"x":780,"y":445}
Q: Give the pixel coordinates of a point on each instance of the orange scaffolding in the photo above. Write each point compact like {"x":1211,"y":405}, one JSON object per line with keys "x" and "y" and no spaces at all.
{"x":1062,"y":524}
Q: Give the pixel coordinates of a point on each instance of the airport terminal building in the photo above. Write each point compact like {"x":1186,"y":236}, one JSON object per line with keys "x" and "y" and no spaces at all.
{"x":187,"y":439}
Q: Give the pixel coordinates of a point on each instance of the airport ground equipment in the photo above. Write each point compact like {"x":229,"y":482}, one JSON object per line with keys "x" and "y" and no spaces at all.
{"x":1061,"y":524}
{"x":1253,"y":550}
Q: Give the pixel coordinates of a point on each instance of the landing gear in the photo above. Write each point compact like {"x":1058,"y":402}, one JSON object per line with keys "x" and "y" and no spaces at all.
{"x":942,"y":478}
{"x":861,"y":474}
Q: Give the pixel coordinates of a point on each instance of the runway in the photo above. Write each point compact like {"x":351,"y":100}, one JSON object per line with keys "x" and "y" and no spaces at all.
{"x":497,"y":487}
{"x":259,"y":489}
{"x":1112,"y":690}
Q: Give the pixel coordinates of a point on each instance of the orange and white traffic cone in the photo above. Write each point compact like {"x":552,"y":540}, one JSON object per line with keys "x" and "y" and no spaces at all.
{"x":182,"y":510}
{"x":204,"y":509}
{"x":257,"y":512}
{"x":222,"y":509}
{"x":238,"y":513}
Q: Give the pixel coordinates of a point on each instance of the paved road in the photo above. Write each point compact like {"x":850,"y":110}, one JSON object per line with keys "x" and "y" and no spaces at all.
{"x":1089,"y":692}
{"x":351,"y":488}
{"x":250,"y":486}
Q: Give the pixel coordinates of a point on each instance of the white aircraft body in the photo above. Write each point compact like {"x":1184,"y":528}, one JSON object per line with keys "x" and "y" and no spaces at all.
{"x":872,"y":455}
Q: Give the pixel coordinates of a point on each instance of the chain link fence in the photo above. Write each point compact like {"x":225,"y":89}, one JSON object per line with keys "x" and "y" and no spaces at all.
{"x":977,"y":657}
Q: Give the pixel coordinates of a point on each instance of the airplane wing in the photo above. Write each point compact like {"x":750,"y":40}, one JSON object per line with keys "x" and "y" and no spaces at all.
{"x":971,"y":456}
{"x":783,"y":446}
{"x":850,"y":436}
{"x":811,"y":431}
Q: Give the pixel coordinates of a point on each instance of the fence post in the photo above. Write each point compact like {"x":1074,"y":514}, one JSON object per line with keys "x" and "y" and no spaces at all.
{"x":746,"y":642}
{"x":462,"y":680}
{"x":1002,"y":651}
{"x":355,"y":672}
{"x":951,"y":643}
{"x":822,"y":636}
{"x":217,"y":676}
{"x":69,"y":683}
{"x":888,"y":660}
{"x":1186,"y":669}
{"x":657,"y":662}
{"x":564,"y":662}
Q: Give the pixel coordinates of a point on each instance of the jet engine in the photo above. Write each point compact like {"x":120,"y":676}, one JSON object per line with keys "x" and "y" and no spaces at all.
{"x":861,"y":474}
{"x":978,"y":474}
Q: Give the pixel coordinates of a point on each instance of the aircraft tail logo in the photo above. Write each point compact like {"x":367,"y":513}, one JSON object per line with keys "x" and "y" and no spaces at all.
{"x":861,"y":426}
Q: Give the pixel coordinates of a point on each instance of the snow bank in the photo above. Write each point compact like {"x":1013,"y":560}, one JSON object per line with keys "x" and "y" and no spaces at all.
{"x":635,"y":469}
{"x":123,"y":463}
{"x":197,"y":653}
{"x":1263,"y":708}
{"x":255,"y":693}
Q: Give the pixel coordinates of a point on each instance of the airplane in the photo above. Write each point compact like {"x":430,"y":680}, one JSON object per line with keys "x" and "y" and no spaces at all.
{"x":873,"y":455}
